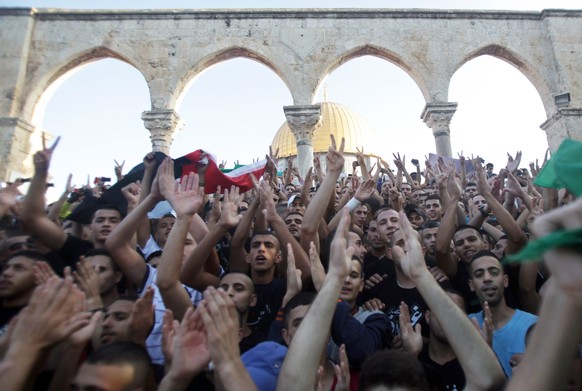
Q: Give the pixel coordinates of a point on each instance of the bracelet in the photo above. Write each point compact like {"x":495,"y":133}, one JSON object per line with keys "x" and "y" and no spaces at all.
{"x":353,"y":204}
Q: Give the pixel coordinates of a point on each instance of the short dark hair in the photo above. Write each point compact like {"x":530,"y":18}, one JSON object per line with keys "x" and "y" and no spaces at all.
{"x":432,"y":197}
{"x":467,"y":226}
{"x":392,"y":368}
{"x":103,"y":252}
{"x":265,"y":232}
{"x":470,"y":184}
{"x":117,"y":353}
{"x":302,"y":298}
{"x":430,"y":224}
{"x":481,"y":254}
{"x":107,"y":207}
{"x":30,"y":254}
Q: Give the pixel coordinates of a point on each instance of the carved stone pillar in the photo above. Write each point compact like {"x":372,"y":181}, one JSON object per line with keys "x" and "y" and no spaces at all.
{"x":18,"y":141}
{"x":162,"y":124}
{"x":303,"y":120}
{"x":437,"y":116}
{"x":566,"y":123}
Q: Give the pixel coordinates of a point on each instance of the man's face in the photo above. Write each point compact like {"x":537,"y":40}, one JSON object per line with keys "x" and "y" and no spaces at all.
{"x":101,"y":377}
{"x":488,"y":280}
{"x":353,"y":284}
{"x":264,"y":253}
{"x":239,"y":287}
{"x":468,"y":243}
{"x":108,"y":278}
{"x":386,"y":188}
{"x":17,"y":278}
{"x":297,"y":206}
{"x":104,"y":221}
{"x":295,"y":318}
{"x":429,"y":239}
{"x":418,"y":196}
{"x":163,"y":228}
{"x":397,"y":248}
{"x":116,"y":321}
{"x":479,"y":201}
{"x":289,"y":189}
{"x":387,"y":224}
{"x":293,"y":222}
{"x":338,"y":188}
{"x":360,"y":215}
{"x":416,"y":220}
{"x":355,"y":241}
{"x":470,"y":191}
{"x":406,"y":189}
{"x":374,"y":236}
{"x":433,"y":209}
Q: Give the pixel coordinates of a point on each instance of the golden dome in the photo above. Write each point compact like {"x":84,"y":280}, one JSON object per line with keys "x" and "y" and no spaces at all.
{"x":336,"y":119}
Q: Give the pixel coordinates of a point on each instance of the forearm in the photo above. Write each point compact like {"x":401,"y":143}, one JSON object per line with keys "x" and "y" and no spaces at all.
{"x":196,"y":261}
{"x":66,"y":367}
{"x":124,"y":232}
{"x":318,"y":205}
{"x":443,"y":242}
{"x":491,"y":230}
{"x":552,"y":346}
{"x":514,"y":234}
{"x":302,"y":360}
{"x":399,"y":179}
{"x":17,"y":367}
{"x":233,"y":376}
{"x":169,"y":267}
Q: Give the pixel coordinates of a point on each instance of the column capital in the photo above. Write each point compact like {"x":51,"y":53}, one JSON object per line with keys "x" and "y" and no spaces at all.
{"x":162,"y":124}
{"x":303,"y":120}
{"x":437,"y":116}
{"x":565,"y":123}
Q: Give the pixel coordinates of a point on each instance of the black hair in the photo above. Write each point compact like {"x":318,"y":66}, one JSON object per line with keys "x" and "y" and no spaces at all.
{"x":430,"y":224}
{"x":467,"y":226}
{"x":302,"y":298}
{"x":130,"y":353}
{"x":470,"y":184}
{"x":432,"y":197}
{"x":101,"y":251}
{"x":481,"y":254}
{"x":392,"y":368}
{"x":30,"y":254}
{"x":265,"y":232}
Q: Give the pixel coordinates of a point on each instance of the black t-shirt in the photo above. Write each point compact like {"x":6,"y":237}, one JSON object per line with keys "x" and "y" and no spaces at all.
{"x":73,"y":249}
{"x":6,"y":315}
{"x":251,"y":341}
{"x":269,"y":300}
{"x":449,"y":376}
{"x":378,"y":265}
{"x":391,"y":294}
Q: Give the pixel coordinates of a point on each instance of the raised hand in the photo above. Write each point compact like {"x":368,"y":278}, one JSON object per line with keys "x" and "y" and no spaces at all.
{"x":334,"y":158}
{"x":229,"y":216}
{"x":88,"y":281}
{"x":190,"y":350}
{"x":342,"y":371}
{"x":412,"y":261}
{"x":141,"y":319}
{"x":340,"y":259}
{"x":411,"y":336}
{"x":118,"y":169}
{"x":486,"y":330}
{"x":294,"y":284}
{"x":482,"y":185}
{"x":513,"y":164}
{"x":398,"y":161}
{"x":42,"y":159}
{"x":365,"y":190}
{"x":185,"y":196}
{"x":131,"y":193}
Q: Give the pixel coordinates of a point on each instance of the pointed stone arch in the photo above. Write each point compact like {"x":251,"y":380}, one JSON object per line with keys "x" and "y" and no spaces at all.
{"x":41,"y":89}
{"x":217,"y":57}
{"x":372,"y":50}
{"x":528,"y":69}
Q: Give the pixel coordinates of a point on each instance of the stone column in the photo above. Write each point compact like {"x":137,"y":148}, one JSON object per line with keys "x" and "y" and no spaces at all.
{"x":437,"y":116}
{"x":303,"y":120}
{"x":565,"y":123}
{"x":162,"y":124}
{"x":19,"y":139}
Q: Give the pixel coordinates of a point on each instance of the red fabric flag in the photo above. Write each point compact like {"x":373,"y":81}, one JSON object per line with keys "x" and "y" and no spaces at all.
{"x":214,"y":177}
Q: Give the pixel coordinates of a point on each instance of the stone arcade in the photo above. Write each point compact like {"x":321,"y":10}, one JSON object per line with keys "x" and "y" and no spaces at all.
{"x":170,"y":47}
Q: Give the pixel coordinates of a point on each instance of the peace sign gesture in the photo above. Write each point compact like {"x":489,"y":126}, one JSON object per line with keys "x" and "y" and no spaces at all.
{"x":42,"y":159}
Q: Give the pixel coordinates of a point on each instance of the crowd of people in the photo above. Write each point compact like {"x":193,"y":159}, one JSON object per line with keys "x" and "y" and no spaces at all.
{"x":377,"y":280}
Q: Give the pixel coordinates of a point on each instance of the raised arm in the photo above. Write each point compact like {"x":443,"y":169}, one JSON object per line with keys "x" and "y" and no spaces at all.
{"x":445,"y":234}
{"x":318,"y":205}
{"x":237,"y":244}
{"x":118,"y":242}
{"x":515,"y":236}
{"x":283,"y":234}
{"x":195,"y":262}
{"x":186,"y":199}
{"x":302,"y":360}
{"x":481,"y":367}
{"x":150,"y":164}
{"x":33,"y":214}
